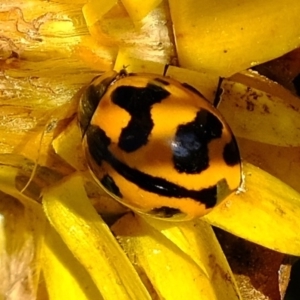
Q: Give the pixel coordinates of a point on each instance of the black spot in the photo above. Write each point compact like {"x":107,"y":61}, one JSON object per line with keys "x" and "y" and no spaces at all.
{"x":209,"y":196}
{"x":296,"y":83}
{"x":165,"y":212}
{"x":192,"y":89}
{"x":164,"y":82}
{"x":231,"y":153}
{"x":98,"y":144}
{"x":90,"y":100}
{"x":110,"y":185}
{"x":190,"y":145}
{"x":137,"y":102}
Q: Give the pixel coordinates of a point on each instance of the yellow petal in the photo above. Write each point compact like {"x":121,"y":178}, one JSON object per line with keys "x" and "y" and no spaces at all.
{"x":261,"y":110}
{"x":281,"y":162}
{"x":205,"y":83}
{"x":232,"y":35}
{"x":266,"y":213}
{"x":91,"y":241}
{"x":65,"y":277}
{"x":133,"y":64}
{"x":181,"y":260}
{"x":93,"y":10}
{"x":137,"y":10}
{"x":68,"y":146}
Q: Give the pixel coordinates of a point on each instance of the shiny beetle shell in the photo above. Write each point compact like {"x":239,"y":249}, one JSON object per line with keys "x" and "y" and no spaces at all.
{"x":157,"y":146}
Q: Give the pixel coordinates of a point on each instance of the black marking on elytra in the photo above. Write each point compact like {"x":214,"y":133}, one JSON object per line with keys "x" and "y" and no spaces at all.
{"x":209,"y":196}
{"x":110,"y":185}
{"x":137,"y":102}
{"x":165,"y":212}
{"x":98,"y":145}
{"x":190,"y":144}
{"x":192,"y":89}
{"x":231,"y":153}
{"x":90,"y":100}
{"x":160,"y":80}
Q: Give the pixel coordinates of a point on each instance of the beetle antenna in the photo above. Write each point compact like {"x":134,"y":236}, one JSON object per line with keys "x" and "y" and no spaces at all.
{"x":48,"y":127}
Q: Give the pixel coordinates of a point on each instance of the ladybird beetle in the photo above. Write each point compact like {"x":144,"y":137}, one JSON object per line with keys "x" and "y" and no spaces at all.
{"x":157,"y":145}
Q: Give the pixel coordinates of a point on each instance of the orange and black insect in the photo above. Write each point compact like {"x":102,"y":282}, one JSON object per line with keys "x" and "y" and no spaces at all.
{"x":157,"y":145}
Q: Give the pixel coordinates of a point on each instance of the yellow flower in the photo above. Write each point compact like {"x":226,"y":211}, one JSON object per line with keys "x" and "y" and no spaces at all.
{"x":53,"y":242}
